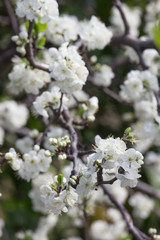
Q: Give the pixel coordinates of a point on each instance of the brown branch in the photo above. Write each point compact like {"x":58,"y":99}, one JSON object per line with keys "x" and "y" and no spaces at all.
{"x":131,"y":227}
{"x":118,"y":4}
{"x":13,"y":19}
{"x":30,"y":51}
{"x":147,"y":189}
{"x":108,"y":182}
{"x":74,"y":139}
{"x":115,"y":96}
{"x":138,"y":45}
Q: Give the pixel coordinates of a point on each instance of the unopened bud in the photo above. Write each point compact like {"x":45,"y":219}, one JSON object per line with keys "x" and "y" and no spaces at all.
{"x":23,"y":35}
{"x":14,"y":38}
{"x":36,"y":148}
{"x":91,"y":118}
{"x":8,"y":156}
{"x":84,"y":107}
{"x":72,"y":181}
{"x":53,"y":141}
{"x":62,"y":156}
{"x":152,"y":231}
{"x":47,"y":153}
{"x":34,"y":133}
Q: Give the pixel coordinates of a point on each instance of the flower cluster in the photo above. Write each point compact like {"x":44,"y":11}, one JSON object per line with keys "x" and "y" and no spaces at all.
{"x":57,"y":196}
{"x":68,"y":68}
{"x":94,"y":34}
{"x":28,"y":79}
{"x":113,"y":154}
{"x":33,"y":163}
{"x":34,"y":9}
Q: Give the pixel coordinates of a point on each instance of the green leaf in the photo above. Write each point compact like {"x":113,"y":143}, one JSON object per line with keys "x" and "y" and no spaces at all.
{"x":38,"y":28}
{"x":27,"y":26}
{"x":60,"y":179}
{"x":41,"y":42}
{"x":156,"y":34}
{"x":42,"y":27}
{"x":128,"y":130}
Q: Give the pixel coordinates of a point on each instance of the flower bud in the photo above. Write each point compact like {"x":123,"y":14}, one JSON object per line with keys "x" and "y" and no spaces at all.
{"x":53,"y":141}
{"x":47,"y":153}
{"x":91,"y":118}
{"x":72,"y":181}
{"x":36,"y":148}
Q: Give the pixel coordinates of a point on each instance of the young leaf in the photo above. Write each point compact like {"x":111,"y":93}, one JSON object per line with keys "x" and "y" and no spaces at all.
{"x":156,"y":34}
{"x":41,"y":42}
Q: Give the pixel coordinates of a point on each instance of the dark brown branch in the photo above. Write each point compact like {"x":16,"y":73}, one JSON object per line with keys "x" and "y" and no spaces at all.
{"x":115,"y":96}
{"x":108,"y":182}
{"x":13,"y":19}
{"x":138,"y":45}
{"x":30,"y":51}
{"x":147,"y":189}
{"x":132,"y":228}
{"x":118,"y":4}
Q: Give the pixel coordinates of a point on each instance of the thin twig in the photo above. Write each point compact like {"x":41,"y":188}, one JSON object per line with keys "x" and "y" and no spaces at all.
{"x":74,"y":139}
{"x":108,"y":182}
{"x":132,"y":228}
{"x":30,"y":51}
{"x":13,"y":19}
{"x":147,"y":189}
{"x":118,"y":4}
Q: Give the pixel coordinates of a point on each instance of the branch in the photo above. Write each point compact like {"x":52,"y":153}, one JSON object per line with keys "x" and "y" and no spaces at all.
{"x":108,"y":182}
{"x":138,"y":45}
{"x":30,"y":51}
{"x":118,"y":4}
{"x":13,"y":19}
{"x":115,"y":96}
{"x":132,"y":229}
{"x":147,"y":189}
{"x":74,"y":139}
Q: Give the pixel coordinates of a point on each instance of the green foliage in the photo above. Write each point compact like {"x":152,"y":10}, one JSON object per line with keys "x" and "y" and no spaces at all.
{"x":41,"y":42}
{"x":60,"y":179}
{"x":156,"y":34}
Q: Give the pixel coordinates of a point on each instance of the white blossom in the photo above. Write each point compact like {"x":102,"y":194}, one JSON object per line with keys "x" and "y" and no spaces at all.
{"x":68,"y":68}
{"x":13,"y":115}
{"x":24,"y":78}
{"x":142,"y":205}
{"x":1,"y":226}
{"x":2,"y":133}
{"x":24,"y":144}
{"x":34,"y":9}
{"x":34,"y":163}
{"x":46,"y":99}
{"x":103,"y":76}
{"x":129,"y":162}
{"x":62,"y":29}
{"x":146,"y":109}
{"x":92,"y":107}
{"x":94,"y":34}
{"x":58,"y":201}
{"x":133,"y":16}
{"x":13,"y":159}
